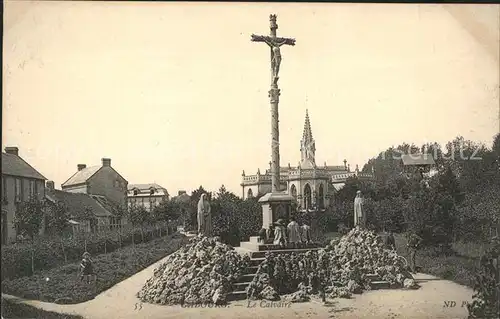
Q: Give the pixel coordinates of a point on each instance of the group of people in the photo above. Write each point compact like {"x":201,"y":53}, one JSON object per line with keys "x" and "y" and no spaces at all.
{"x":282,"y":235}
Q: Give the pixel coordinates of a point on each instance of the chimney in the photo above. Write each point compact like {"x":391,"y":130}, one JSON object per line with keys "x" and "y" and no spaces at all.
{"x":12,"y":150}
{"x":50,"y":185}
{"x":81,"y":166}
{"x":106,"y":162}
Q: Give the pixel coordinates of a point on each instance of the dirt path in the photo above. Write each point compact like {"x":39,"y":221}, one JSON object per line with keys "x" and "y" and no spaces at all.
{"x":426,"y":302}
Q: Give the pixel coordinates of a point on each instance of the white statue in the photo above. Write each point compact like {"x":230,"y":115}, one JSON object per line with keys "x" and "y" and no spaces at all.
{"x":359,"y":218}
{"x":204,"y":217}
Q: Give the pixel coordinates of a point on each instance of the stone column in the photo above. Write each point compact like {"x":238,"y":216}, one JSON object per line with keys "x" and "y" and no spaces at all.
{"x":274,"y":94}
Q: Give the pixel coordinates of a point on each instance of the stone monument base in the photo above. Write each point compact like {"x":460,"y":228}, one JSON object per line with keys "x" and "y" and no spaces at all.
{"x":275,"y":206}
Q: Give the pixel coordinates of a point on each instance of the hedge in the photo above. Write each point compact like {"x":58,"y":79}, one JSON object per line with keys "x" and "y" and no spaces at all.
{"x":20,"y":259}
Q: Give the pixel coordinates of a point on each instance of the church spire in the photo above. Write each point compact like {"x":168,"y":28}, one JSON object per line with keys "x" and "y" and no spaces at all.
{"x":307,"y":135}
{"x":307,"y":145}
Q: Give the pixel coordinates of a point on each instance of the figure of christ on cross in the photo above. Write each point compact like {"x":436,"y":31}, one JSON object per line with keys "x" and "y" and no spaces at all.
{"x":274,"y":43}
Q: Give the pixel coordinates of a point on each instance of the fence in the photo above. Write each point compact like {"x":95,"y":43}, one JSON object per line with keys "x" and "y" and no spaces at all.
{"x":23,"y":258}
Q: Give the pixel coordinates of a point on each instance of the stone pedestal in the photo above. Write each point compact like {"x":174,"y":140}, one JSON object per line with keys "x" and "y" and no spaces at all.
{"x":275,"y":206}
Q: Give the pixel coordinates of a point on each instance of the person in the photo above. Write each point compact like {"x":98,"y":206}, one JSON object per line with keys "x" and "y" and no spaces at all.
{"x":359,"y":217}
{"x":293,"y":232}
{"x":306,"y":233}
{"x":270,"y":234}
{"x":414,"y":242}
{"x":280,"y":234}
{"x":204,"y":217}
{"x":390,"y":242}
{"x":86,"y":267}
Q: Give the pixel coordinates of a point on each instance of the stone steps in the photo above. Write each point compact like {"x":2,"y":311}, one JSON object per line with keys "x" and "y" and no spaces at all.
{"x":262,"y":254}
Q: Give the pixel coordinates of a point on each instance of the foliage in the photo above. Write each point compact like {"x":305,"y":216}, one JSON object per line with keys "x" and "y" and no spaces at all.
{"x":48,"y":251}
{"x":28,"y":217}
{"x":64,"y":285}
{"x":57,"y":218}
{"x":18,"y":309}
{"x":486,"y":300}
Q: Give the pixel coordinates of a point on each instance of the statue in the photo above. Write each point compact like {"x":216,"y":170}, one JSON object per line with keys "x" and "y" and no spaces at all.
{"x":275,"y":57}
{"x":204,"y":217}
{"x":359,"y":218}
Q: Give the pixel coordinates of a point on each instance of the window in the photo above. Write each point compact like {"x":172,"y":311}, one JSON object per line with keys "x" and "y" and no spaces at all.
{"x":32,"y":188}
{"x":18,"y":190}
{"x":4,"y":189}
{"x":151,"y":191}
{"x":135,"y":192}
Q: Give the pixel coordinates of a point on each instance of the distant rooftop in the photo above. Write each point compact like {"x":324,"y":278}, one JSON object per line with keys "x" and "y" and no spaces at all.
{"x":417,"y":159}
{"x":82,"y":176}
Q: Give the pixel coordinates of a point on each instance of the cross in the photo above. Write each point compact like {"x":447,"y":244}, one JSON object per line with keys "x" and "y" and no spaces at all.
{"x":274,"y":44}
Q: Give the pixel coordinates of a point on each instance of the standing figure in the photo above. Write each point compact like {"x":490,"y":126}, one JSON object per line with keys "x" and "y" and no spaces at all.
{"x":280,"y":233}
{"x":359,"y":218}
{"x":86,"y":267}
{"x":414,"y":242}
{"x":306,"y":233}
{"x":293,"y":232}
{"x":204,"y":217}
{"x":390,"y":242}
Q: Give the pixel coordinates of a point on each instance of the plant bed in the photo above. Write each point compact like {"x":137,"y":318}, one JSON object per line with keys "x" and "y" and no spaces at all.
{"x":62,"y":284}
{"x":15,"y":309}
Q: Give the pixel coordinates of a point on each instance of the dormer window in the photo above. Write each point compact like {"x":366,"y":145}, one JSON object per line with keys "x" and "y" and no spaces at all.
{"x":151,"y":191}
{"x":136,"y":192}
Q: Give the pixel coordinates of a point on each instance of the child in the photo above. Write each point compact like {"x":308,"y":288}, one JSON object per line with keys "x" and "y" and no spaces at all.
{"x":86,"y":267}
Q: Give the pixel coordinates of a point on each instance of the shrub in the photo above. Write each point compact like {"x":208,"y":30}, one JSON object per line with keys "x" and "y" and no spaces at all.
{"x":64,"y":285}
{"x":48,"y":252}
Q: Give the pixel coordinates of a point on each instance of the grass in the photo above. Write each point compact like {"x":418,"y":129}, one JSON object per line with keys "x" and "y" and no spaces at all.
{"x":62,"y":284}
{"x":460,"y":267}
{"x":14,"y":310}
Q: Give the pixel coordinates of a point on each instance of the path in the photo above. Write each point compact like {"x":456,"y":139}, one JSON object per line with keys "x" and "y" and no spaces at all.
{"x":426,"y":302}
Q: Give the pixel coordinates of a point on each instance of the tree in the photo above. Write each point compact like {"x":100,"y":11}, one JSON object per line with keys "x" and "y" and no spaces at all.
{"x":27,"y":220}
{"x":28,"y":217}
{"x":57,"y":222}
{"x":138,"y":216}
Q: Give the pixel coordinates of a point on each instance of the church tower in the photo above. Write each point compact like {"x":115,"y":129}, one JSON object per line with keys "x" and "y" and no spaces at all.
{"x":307,"y":146}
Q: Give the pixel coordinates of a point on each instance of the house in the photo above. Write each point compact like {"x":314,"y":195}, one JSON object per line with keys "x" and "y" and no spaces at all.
{"x":79,"y":205}
{"x":101,"y":180}
{"x":20,"y":182}
{"x":146,"y":195}
{"x":420,"y":165}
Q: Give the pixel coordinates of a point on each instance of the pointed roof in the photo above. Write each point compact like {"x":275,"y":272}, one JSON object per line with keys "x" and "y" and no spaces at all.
{"x":307,"y":135}
{"x":14,"y":165}
{"x":81,"y":176}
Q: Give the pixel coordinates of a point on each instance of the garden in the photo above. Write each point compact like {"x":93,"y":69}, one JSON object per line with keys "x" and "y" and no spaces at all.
{"x":62,"y":284}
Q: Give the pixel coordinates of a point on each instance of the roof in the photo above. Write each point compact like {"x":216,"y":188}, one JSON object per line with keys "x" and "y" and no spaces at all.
{"x":417,"y":159}
{"x":15,"y":166}
{"x":144,"y":186}
{"x":82,"y":176}
{"x":78,"y":202}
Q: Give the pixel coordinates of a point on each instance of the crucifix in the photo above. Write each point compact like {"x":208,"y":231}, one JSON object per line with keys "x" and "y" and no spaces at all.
{"x":274,"y":44}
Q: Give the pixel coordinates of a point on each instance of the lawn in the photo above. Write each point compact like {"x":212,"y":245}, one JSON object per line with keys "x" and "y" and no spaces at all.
{"x":62,"y":284}
{"x":15,"y":310}
{"x":460,"y":267}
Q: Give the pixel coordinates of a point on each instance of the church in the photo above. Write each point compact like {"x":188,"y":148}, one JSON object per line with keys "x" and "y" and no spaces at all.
{"x":312,"y":186}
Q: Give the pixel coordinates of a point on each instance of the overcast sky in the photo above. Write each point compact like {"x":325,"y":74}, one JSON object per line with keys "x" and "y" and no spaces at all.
{"x":176,"y":93}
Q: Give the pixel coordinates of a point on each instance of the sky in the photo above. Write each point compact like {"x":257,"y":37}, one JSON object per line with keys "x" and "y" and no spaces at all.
{"x":176,"y":93}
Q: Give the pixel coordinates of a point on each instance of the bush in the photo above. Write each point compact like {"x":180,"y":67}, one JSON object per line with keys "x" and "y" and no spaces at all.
{"x":48,"y":252}
{"x":64,"y":285}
